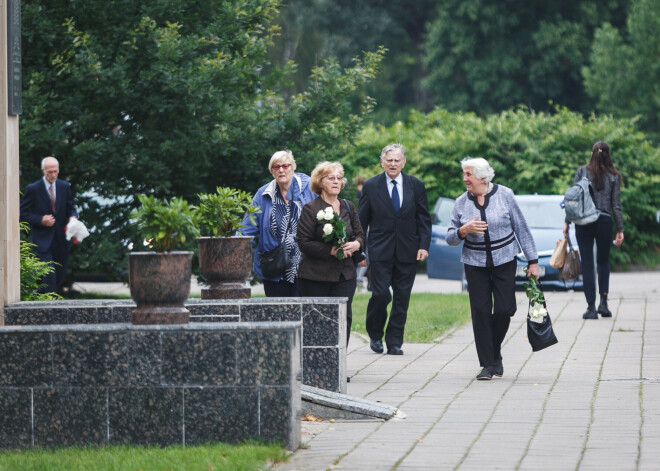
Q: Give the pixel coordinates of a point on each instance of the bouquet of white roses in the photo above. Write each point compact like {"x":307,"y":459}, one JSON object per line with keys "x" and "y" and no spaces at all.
{"x":334,"y":229}
{"x":536,"y":300}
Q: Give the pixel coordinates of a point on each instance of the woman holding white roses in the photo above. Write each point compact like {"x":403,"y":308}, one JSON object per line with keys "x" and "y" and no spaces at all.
{"x":487,"y":219}
{"x":329,"y":233}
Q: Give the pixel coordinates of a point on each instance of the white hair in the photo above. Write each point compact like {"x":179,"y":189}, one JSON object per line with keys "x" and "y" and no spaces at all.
{"x":43,"y":161}
{"x":390,"y":148}
{"x":481,"y":167}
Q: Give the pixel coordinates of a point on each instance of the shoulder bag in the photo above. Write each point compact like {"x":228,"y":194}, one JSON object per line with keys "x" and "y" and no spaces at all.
{"x":357,"y":256}
{"x":540,"y":334}
{"x":274,"y":262}
{"x":571,"y":269}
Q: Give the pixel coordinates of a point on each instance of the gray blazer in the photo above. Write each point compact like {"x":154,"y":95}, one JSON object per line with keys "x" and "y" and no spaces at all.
{"x":507,"y":229}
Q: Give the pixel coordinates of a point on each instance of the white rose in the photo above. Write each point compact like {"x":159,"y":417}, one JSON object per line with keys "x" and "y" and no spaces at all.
{"x":320,"y":215}
{"x":537,"y":313}
{"x":329,"y":214}
{"x":327,"y":229}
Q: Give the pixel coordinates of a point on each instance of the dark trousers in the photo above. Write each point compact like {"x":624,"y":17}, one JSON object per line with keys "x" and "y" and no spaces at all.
{"x":600,"y":232}
{"x":58,"y":259}
{"x":492,"y":292}
{"x":401,"y":277}
{"x":280,"y":289}
{"x":331,"y":289}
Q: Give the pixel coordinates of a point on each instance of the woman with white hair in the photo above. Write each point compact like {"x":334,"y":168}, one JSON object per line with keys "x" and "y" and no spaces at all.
{"x":281,"y":201}
{"x":487,"y":219}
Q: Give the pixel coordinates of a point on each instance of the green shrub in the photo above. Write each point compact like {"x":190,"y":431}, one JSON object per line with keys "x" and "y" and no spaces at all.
{"x":32,"y":271}
{"x":165,"y":225}
{"x":531,"y":153}
{"x":221,"y":214}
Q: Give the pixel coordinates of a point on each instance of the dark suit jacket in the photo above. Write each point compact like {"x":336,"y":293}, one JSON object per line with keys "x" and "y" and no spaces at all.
{"x":36,"y":203}
{"x":317,"y":263}
{"x":395,"y":236}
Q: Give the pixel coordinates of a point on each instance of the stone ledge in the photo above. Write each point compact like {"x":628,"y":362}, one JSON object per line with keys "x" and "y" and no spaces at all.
{"x":323,"y":321}
{"x":113,"y":384}
{"x":331,"y":405}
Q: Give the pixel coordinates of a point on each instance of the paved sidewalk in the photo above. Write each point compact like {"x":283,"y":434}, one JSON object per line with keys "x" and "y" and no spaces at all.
{"x":590,"y":402}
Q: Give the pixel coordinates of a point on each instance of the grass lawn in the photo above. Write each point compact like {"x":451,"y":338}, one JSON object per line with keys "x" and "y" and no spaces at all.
{"x":217,"y":457}
{"x":429,"y":315}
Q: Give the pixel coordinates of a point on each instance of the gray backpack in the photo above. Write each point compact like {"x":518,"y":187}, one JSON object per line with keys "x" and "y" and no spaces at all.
{"x":579,"y":204}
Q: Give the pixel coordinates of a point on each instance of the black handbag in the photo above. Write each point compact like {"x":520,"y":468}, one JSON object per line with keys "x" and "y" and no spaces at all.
{"x":540,"y":334}
{"x":274,"y":262}
{"x":571,"y":269}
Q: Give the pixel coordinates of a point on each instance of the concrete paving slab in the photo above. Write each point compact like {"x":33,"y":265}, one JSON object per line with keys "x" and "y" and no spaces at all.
{"x":595,"y":396}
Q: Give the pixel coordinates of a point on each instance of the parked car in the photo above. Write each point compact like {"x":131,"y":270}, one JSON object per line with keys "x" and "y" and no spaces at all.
{"x":444,"y":260}
{"x":545,"y":218}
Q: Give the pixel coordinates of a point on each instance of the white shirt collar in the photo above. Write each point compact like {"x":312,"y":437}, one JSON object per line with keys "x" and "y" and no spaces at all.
{"x":48,"y":184}
{"x":398,"y":179}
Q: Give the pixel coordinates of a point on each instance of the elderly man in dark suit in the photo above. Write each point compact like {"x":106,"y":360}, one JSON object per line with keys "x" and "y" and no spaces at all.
{"x":47,"y":206}
{"x":393,"y":206}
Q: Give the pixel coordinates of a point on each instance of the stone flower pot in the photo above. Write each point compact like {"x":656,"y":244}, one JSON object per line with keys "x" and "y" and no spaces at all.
{"x":160,"y":284}
{"x":225,"y":264}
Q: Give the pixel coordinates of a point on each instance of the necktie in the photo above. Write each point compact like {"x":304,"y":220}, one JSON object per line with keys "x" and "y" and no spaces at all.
{"x":396,"y":202}
{"x":51,"y":193}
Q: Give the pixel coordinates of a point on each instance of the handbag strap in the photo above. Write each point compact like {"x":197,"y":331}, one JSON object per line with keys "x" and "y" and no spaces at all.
{"x":568,"y":238}
{"x":570,"y":249}
{"x":348,"y":209}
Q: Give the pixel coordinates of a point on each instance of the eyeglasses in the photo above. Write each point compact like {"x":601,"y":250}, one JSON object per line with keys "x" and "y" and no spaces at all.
{"x":332,"y":178}
{"x":281,"y":166}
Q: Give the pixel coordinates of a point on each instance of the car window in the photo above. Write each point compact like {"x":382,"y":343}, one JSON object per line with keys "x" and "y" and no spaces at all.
{"x":541,"y":213}
{"x":442,"y":211}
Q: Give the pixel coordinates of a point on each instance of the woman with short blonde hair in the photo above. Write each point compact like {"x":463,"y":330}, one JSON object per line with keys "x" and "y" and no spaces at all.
{"x":321,"y":273}
{"x":281,"y":201}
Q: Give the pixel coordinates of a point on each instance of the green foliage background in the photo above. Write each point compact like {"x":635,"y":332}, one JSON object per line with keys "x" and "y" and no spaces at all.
{"x":531,"y":153}
{"x":170,"y":98}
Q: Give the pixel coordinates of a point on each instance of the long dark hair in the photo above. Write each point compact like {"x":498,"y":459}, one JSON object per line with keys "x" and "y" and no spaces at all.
{"x":600,"y":164}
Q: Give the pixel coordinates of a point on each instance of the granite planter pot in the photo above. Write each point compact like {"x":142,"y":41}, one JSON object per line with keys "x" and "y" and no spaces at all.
{"x":225,"y":264}
{"x":160,"y":284}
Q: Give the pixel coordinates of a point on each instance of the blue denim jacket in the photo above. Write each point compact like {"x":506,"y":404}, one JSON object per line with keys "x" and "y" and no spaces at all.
{"x":299,"y":192}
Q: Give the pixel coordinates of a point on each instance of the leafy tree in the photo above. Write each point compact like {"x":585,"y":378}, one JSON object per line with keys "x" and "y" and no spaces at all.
{"x":624,"y":71}
{"x":531,"y":153}
{"x":487,"y":56}
{"x":169,"y":98}
{"x":313,"y":30}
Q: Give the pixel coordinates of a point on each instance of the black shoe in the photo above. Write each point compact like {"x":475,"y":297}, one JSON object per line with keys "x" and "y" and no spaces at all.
{"x":590,"y":313}
{"x":376,"y":345}
{"x":394,"y":350}
{"x":602,"y":307}
{"x":485,"y":375}
{"x":498,"y":369}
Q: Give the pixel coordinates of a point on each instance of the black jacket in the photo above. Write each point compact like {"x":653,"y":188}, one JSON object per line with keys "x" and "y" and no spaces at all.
{"x":395,"y":236}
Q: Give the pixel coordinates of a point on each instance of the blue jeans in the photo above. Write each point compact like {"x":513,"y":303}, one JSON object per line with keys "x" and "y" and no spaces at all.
{"x":600,"y":232}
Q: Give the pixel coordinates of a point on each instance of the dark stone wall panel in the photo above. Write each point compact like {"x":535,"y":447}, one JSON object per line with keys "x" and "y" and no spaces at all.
{"x":226,"y":414}
{"x":25,"y":359}
{"x":146,"y":416}
{"x":90,"y":359}
{"x":15,"y":418}
{"x":70,"y":417}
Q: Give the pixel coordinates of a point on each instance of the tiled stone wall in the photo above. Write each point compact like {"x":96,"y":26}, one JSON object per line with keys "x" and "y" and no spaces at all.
{"x":323,"y":324}
{"x":118,"y":383}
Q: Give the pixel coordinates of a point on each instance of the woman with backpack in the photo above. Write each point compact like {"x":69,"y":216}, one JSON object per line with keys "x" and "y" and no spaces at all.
{"x":606,"y":183}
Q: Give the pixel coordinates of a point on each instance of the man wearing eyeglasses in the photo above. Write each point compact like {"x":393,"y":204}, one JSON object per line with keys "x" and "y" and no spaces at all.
{"x":394,"y":207}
